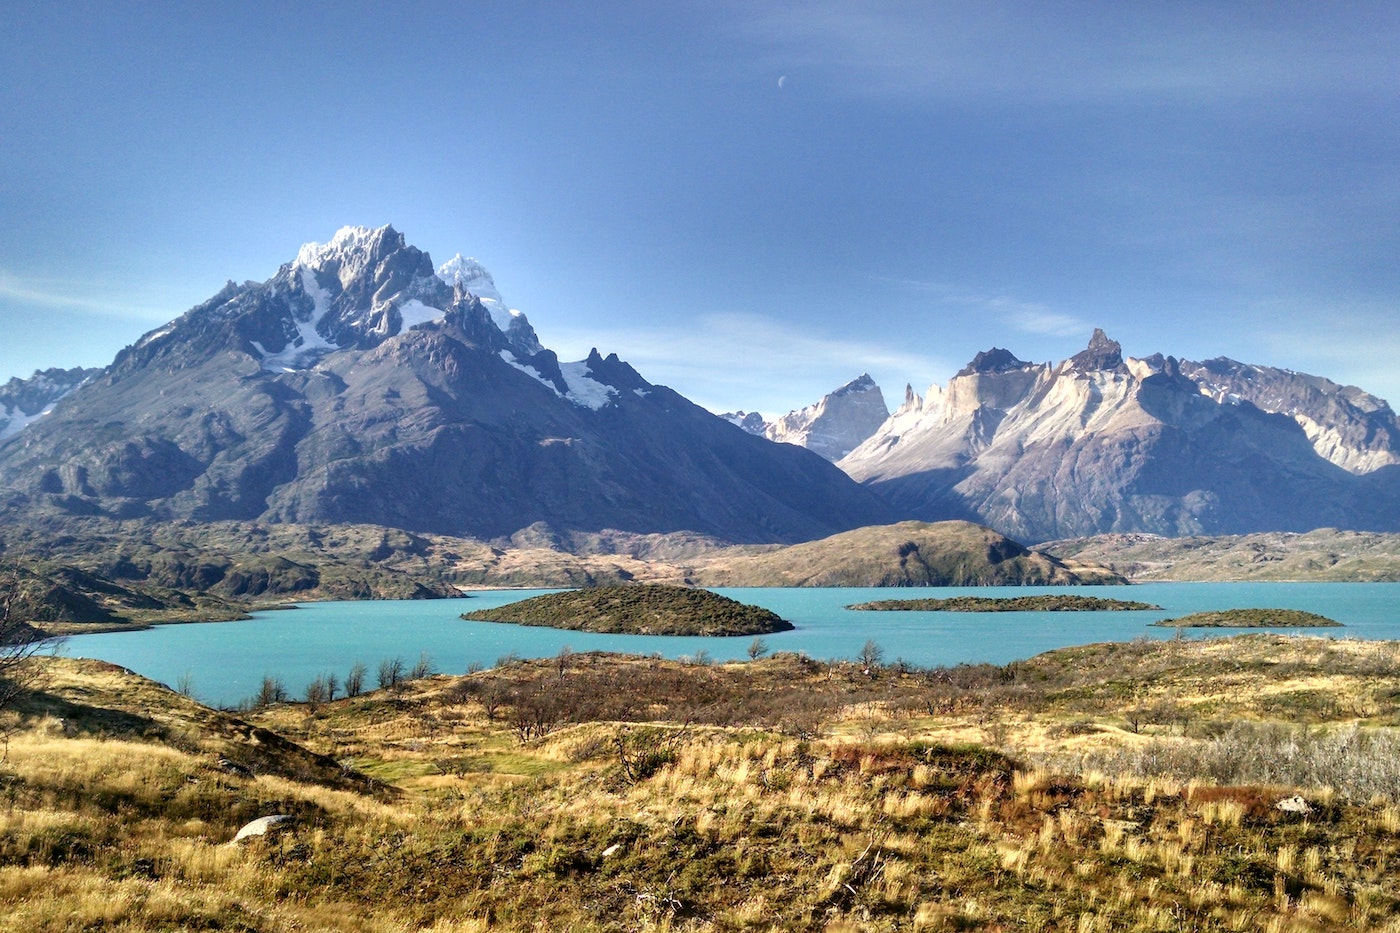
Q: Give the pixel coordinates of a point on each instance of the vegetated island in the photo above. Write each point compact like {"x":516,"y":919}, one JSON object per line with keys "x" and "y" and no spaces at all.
{"x":1045,"y":603}
{"x":639,"y":609}
{"x":1251,"y":618}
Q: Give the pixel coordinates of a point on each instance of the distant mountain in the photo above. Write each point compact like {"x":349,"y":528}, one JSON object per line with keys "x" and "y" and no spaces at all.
{"x":831,"y":427}
{"x":361,"y":384}
{"x":1102,"y":443}
{"x":837,"y":424}
{"x":23,"y":401}
{"x":750,"y":421}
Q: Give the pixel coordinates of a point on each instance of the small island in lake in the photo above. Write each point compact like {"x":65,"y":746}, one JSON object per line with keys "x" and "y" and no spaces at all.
{"x":1251,"y":618}
{"x":1045,"y":603}
{"x":638,"y":609}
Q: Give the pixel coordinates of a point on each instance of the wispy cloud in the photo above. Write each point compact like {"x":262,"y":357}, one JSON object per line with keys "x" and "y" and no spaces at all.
{"x":48,"y":293}
{"x":1026,"y":316}
{"x":732,"y":360}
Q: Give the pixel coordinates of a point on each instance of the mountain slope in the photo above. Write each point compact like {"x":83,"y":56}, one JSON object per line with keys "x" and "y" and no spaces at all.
{"x":1101,"y":443}
{"x":360,"y":385}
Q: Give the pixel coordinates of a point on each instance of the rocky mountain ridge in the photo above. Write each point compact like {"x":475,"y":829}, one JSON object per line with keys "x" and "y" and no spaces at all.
{"x":1106,"y":443}
{"x":24,"y":401}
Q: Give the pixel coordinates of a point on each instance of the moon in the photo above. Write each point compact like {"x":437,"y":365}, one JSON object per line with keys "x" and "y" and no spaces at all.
{"x":781,"y":81}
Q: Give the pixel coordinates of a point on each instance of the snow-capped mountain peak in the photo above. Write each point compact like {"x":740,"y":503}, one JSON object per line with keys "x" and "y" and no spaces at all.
{"x":466,"y":273}
{"x":366,"y":285}
{"x":353,"y":244}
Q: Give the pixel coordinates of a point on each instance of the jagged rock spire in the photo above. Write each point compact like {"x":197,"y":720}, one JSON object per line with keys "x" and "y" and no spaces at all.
{"x":1102,"y":355}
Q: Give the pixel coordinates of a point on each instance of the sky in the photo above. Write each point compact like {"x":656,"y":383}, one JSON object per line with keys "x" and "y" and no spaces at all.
{"x":750,"y":202}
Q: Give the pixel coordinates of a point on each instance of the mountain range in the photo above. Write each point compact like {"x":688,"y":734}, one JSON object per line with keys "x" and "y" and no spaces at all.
{"x":1103,"y":443}
{"x":362,"y":384}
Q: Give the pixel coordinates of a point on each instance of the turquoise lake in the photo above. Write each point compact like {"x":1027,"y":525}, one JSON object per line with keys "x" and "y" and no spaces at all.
{"x":226,"y":661}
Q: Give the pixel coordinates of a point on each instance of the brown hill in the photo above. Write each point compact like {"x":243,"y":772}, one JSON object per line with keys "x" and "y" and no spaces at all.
{"x":904,"y":554}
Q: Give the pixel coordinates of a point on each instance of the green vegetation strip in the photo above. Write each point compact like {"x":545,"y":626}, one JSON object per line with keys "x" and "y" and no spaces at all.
{"x":1007,"y":604}
{"x":1251,"y":618}
{"x":638,"y":609}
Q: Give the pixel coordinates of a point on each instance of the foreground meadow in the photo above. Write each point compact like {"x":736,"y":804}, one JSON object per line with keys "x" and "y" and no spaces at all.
{"x":1250,"y":783}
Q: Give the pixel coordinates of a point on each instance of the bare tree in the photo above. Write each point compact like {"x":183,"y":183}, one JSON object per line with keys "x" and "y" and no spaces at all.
{"x":19,"y":641}
{"x":871,"y":655}
{"x":757,"y":648}
{"x":271,"y":690}
{"x":317,"y":692}
{"x":424,"y":668}
{"x":391,"y":672}
{"x":355,"y":680}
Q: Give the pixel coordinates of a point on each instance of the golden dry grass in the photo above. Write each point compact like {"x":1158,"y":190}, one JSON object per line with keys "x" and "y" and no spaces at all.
{"x":889,"y":814}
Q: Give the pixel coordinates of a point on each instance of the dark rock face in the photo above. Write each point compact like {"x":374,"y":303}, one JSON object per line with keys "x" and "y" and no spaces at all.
{"x":357,"y":386}
{"x":1102,"y":444}
{"x":1102,"y":355}
{"x":995,"y":360}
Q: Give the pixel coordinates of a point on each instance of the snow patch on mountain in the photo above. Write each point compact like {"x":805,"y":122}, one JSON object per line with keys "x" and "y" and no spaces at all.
{"x":583,"y":390}
{"x":25,"y":401}
{"x":308,"y":345}
{"x":12,"y":420}
{"x":469,"y":275}
{"x":413,"y":313}
{"x":348,"y":242}
{"x":750,"y":421}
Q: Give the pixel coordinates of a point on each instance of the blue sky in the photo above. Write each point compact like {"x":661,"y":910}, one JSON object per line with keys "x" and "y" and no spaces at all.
{"x":750,"y":202}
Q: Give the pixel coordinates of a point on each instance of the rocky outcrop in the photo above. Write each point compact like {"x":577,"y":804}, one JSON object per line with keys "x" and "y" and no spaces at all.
{"x":750,"y":421}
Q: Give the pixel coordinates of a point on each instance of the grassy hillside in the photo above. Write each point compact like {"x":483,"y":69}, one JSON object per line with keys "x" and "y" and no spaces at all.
{"x":1108,"y":787}
{"x":244,"y":563}
{"x":638,"y":609}
{"x":905,"y":554}
{"x":58,"y":599}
